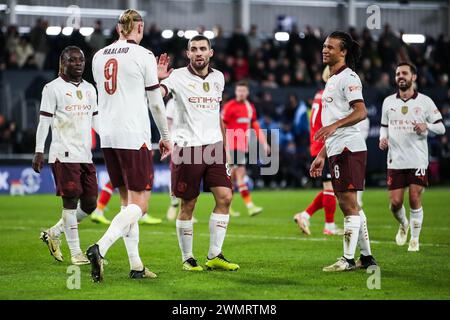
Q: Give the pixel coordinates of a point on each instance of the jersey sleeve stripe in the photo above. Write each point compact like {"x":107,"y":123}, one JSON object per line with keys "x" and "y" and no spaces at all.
{"x":355,"y":101}
{"x":167,"y":97}
{"x":165,"y":88}
{"x":46,"y":114}
{"x":95,"y":113}
{"x":437,"y":121}
{"x":384,"y":125}
{"x":156,"y":86}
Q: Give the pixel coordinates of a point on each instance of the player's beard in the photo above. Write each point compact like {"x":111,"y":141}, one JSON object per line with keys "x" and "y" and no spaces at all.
{"x":200,"y":67}
{"x":406,"y":86}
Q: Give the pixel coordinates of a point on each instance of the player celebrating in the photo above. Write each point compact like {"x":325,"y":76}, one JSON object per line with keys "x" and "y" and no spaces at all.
{"x":343,"y":107}
{"x":69,"y":107}
{"x":325,"y":198}
{"x":239,"y":115}
{"x":198,"y":130}
{"x":406,"y":118}
{"x":127,"y":83}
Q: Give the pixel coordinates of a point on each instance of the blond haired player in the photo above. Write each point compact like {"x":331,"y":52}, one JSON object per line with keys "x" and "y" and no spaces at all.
{"x":127,"y":83}
{"x":406,"y":119}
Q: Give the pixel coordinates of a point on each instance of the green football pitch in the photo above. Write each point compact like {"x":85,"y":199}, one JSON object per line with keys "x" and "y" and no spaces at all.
{"x":277,"y":262}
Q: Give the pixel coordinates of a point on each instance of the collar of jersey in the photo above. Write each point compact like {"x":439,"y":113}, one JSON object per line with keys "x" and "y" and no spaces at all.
{"x":191,"y":70}
{"x":339,"y":70}
{"x":412,"y":97}
{"x":62,"y":76}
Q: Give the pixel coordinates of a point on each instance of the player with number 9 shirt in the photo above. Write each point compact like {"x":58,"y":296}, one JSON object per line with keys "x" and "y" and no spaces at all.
{"x":127,"y":83}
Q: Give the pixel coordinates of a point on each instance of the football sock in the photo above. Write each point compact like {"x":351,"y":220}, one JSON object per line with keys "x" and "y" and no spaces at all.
{"x":185,"y":233}
{"x":316,"y":204}
{"x":351,"y":234}
{"x":359,"y":195}
{"x":80,"y":214}
{"x":305,"y":215}
{"x":330,"y":225}
{"x":119,"y":226}
{"x":329,"y":205}
{"x":416,"y":218}
{"x":105,"y":196}
{"x":131,"y":240}
{"x":173,"y":201}
{"x":71,"y":230}
{"x":363,"y":240}
{"x":57,"y":229}
{"x":245,"y":194}
{"x":218,"y":224}
{"x":400,"y":215}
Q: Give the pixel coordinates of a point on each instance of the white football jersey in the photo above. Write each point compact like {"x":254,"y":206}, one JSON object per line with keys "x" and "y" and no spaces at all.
{"x":122,"y":72}
{"x":407,"y":149}
{"x":364,"y":128}
{"x":342,"y":90}
{"x":196,"y":114}
{"x":71,"y":107}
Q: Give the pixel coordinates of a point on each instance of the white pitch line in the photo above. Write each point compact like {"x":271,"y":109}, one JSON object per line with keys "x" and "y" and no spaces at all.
{"x":248,"y":236}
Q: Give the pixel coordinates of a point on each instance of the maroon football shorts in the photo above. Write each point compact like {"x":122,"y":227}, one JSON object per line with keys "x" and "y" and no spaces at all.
{"x":187,"y":173}
{"x":75,"y":180}
{"x":348,"y":170}
{"x":402,"y":178}
{"x":130,"y":168}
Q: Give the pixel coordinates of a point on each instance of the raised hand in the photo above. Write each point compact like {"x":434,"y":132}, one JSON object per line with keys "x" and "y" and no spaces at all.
{"x":163,"y":62}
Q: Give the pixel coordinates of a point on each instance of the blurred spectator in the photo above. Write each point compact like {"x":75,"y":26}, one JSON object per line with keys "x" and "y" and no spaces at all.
{"x":383,"y":84}
{"x":38,"y":39}
{"x":270,"y":81}
{"x":266,"y":106}
{"x":254,"y":40}
{"x":3,"y":48}
{"x":241,"y":68}
{"x":7,"y":131}
{"x":238,"y":42}
{"x":23,"y":51}
{"x":97,"y":40}
{"x":153,"y":39}
{"x":219,"y":43}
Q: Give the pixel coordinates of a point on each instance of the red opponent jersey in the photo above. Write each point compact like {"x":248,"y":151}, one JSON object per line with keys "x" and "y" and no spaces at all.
{"x":315,"y":122}
{"x":238,"y":118}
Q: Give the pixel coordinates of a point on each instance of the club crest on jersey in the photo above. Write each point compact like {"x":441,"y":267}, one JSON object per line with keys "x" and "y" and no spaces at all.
{"x":417,"y":111}
{"x":404,"y":109}
{"x":217,"y":87}
{"x":206,"y":86}
{"x":79,"y":94}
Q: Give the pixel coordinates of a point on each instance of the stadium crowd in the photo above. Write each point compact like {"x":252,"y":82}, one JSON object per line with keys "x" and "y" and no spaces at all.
{"x":265,"y":63}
